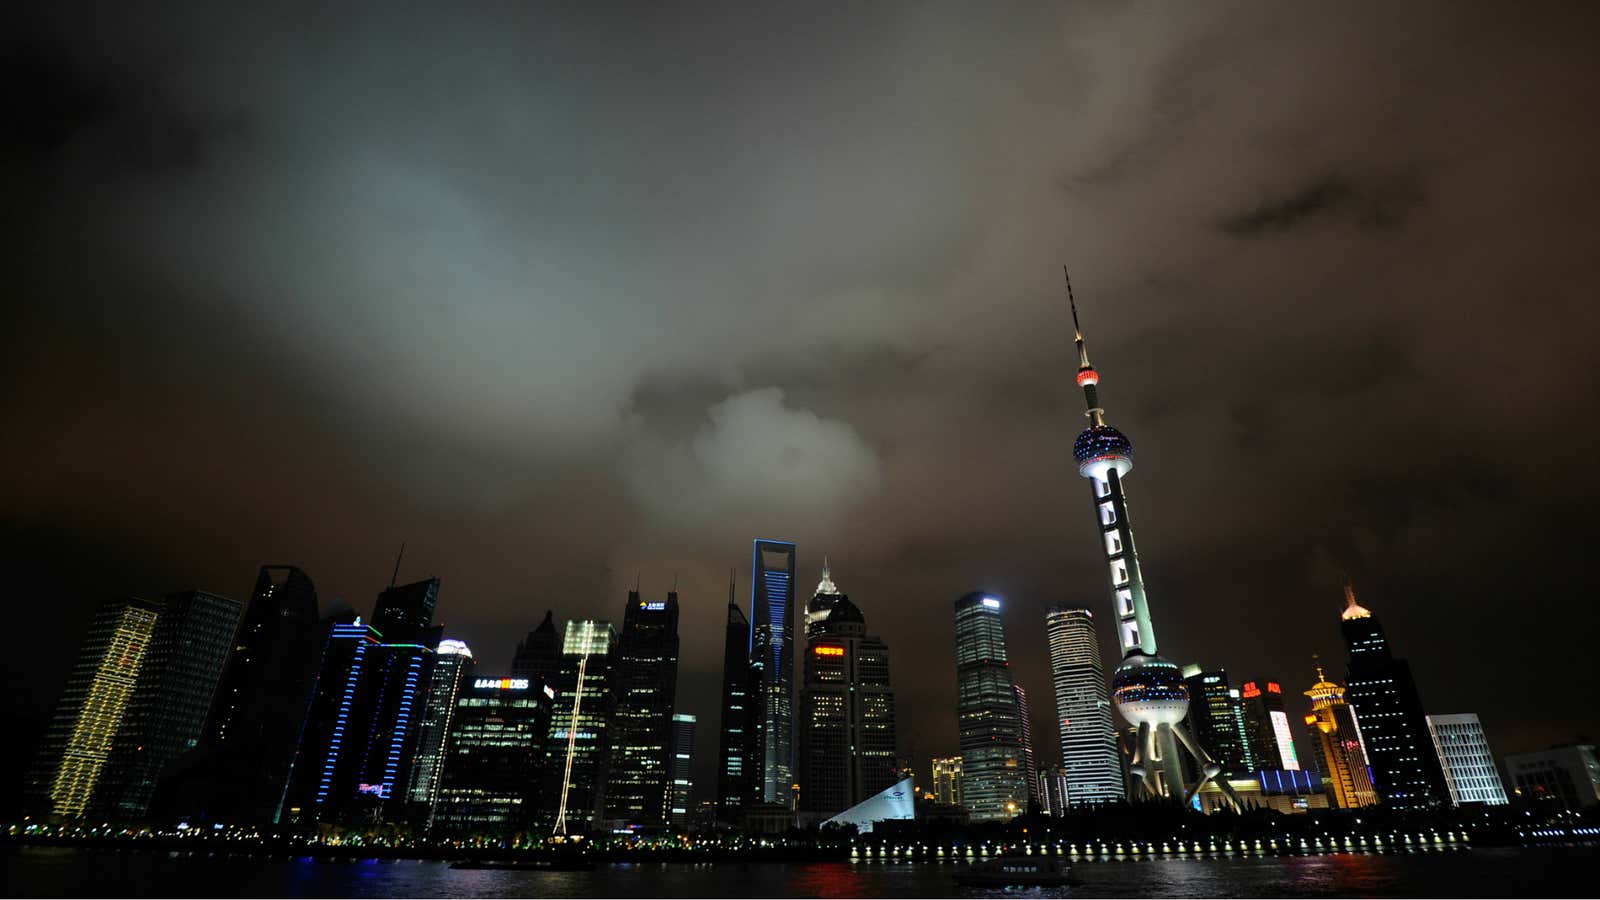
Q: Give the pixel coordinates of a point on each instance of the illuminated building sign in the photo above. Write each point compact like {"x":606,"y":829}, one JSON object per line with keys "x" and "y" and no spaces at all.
{"x":1280,"y":730}
{"x":653,"y":606}
{"x":1274,"y":688}
{"x":1250,"y":690}
{"x":991,"y":602}
{"x":501,"y":684}
{"x":828,"y":651}
{"x":550,"y":692}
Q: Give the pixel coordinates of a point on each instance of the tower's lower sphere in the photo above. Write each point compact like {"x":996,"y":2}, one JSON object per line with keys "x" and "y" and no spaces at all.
{"x":1149,"y":690}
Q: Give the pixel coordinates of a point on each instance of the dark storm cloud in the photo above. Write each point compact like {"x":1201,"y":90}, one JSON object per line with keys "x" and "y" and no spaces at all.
{"x":559,"y":296}
{"x":1367,"y":203}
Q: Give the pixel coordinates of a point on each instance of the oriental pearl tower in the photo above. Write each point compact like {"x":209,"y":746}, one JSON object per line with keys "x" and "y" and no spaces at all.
{"x":1147,"y":690}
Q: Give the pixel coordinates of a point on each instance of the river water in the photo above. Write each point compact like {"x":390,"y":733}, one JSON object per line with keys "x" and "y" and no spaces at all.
{"x":1498,"y":872}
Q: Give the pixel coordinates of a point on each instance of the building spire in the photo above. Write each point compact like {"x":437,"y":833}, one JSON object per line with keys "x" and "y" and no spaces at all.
{"x":1087,"y":376}
{"x":1352,"y":609}
{"x":826,"y":585}
{"x":730,"y":589}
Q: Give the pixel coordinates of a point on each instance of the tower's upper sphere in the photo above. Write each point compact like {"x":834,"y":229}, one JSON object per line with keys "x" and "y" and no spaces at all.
{"x":1100,"y":447}
{"x":1149,"y":689}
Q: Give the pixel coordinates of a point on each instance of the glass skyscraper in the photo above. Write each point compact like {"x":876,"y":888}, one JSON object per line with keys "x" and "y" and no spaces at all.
{"x":452,"y":667}
{"x":239,"y":772}
{"x":495,"y":759}
{"x":637,"y":790}
{"x":772,"y":619}
{"x":1268,"y":724}
{"x":1217,"y":717}
{"x":847,"y":727}
{"x":681,"y":769}
{"x":1394,"y":729}
{"x":994,"y":777}
{"x":167,"y":714}
{"x":74,"y":750}
{"x":582,"y":723}
{"x":1083,"y":709}
{"x":738,"y":731}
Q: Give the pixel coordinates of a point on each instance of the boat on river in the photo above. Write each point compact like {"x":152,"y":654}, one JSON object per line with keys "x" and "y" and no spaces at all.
{"x":1018,"y":871}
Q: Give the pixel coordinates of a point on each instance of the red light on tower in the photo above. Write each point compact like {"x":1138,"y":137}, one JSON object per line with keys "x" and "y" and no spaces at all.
{"x":1250,"y":690}
{"x":1274,"y":688}
{"x":1087,"y":377}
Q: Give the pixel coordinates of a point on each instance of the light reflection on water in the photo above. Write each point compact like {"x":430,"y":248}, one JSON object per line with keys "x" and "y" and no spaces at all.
{"x":1490,"y":872}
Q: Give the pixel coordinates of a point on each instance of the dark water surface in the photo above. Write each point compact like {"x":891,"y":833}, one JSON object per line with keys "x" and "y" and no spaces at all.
{"x":59,"y":872}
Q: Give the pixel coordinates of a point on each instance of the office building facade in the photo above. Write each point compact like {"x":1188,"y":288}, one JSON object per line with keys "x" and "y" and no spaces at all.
{"x":167,"y":714}
{"x":495,"y":758}
{"x":1267,"y":722}
{"x":240,"y":771}
{"x":1469,"y":769}
{"x":847,"y":723}
{"x":75,"y":748}
{"x":1394,"y":728}
{"x":582,"y":725}
{"x":638,"y":789}
{"x":772,"y":618}
{"x":738,"y":730}
{"x":1565,"y":777}
{"x":453,"y":666}
{"x":994,"y":776}
{"x":1089,"y":753}
{"x":680,"y":793}
{"x":947,"y":781}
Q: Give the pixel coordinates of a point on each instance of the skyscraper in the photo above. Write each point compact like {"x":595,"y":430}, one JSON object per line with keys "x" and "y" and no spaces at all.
{"x":1148,"y":691}
{"x":1025,"y":725}
{"x":403,"y":613}
{"x":738,"y":730}
{"x":452,"y":667}
{"x":993,"y":772}
{"x":1055,"y":791}
{"x":772,"y":651}
{"x":947,"y":781}
{"x":73,"y":751}
{"x":1394,"y":729}
{"x":1083,"y":711}
{"x":538,"y":655}
{"x":847,"y":727}
{"x":495,"y":759}
{"x":1268,"y":724}
{"x":681,"y":793}
{"x":1216,"y":718}
{"x":1344,"y":759}
{"x":167,"y":713}
{"x":1469,"y":769}
{"x":582,"y":723}
{"x":240,"y":770}
{"x":637,"y":790}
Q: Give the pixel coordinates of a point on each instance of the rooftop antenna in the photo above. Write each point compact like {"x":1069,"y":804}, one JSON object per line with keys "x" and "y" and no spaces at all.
{"x":674,"y":582}
{"x":402,"y":555}
{"x":731,"y":570}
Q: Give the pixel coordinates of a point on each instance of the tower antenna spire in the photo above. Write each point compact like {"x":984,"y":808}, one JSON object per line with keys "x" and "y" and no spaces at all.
{"x":731,"y":602}
{"x":1076,"y":330}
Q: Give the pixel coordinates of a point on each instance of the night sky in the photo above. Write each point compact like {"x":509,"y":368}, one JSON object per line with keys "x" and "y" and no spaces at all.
{"x":562,"y":296}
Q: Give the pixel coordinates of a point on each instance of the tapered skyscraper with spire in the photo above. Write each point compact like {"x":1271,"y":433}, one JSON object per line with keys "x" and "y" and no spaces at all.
{"x":1147,"y":690}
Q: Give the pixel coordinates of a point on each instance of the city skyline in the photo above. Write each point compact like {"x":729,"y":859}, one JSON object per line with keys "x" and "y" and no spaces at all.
{"x":280,"y":302}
